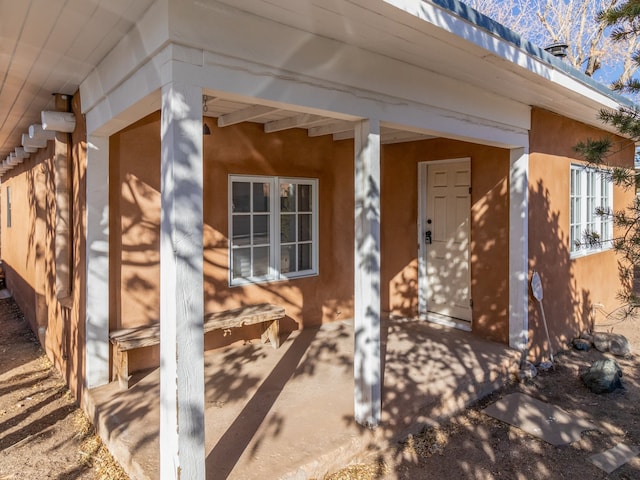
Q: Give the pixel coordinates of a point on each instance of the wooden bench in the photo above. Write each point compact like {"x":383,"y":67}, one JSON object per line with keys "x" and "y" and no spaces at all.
{"x":147,"y":335}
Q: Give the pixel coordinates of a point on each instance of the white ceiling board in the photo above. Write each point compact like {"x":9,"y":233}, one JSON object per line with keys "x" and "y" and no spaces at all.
{"x":121,"y":25}
{"x":49,"y":46}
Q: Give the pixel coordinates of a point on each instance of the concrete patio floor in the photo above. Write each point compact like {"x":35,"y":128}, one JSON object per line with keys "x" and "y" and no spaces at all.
{"x":288,"y":413}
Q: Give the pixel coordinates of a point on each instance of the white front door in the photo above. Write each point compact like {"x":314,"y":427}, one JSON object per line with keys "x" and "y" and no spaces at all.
{"x":445,"y":196}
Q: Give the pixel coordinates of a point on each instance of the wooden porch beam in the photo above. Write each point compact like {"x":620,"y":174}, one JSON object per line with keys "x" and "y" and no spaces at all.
{"x":244,"y":115}
{"x":396,"y":136}
{"x":332,"y":128}
{"x":342,"y":136}
{"x":297,"y":121}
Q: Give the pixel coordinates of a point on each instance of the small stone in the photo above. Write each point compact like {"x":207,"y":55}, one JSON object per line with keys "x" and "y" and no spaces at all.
{"x":612,"y":342}
{"x":603,"y":376}
{"x":544,"y":366}
{"x":587,"y":336}
{"x":527,"y":371}
{"x":581,"y":344}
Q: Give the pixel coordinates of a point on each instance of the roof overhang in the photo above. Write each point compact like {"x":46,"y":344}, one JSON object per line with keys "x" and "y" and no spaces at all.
{"x":49,"y":47}
{"x":453,"y":40}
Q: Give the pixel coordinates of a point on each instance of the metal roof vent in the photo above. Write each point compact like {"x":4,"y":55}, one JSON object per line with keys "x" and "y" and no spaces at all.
{"x":558,"y":49}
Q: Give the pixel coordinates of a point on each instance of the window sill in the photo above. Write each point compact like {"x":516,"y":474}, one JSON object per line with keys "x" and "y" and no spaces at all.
{"x":244,"y":283}
{"x":582,"y":254}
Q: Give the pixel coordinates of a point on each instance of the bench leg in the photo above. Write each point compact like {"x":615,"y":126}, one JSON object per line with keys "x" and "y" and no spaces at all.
{"x":272,"y":334}
{"x":121,"y":368}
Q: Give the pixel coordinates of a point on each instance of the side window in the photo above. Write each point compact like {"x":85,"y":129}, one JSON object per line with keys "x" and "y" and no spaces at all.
{"x":590,"y":194}
{"x":272,"y":228}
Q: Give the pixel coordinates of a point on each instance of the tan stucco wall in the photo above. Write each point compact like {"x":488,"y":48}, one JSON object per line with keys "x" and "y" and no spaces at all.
{"x":28,"y":253}
{"x":489,"y":229}
{"x":571,"y":286}
{"x":134,"y":199}
{"x":18,"y":240}
{"x":239,"y":149}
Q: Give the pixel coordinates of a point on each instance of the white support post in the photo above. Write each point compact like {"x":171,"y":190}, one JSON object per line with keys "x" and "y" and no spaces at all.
{"x":181,"y":286}
{"x":367,"y":362}
{"x":97,"y":263}
{"x":519,"y":249}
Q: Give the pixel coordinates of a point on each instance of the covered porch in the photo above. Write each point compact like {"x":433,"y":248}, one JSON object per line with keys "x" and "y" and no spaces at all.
{"x":312,"y":385}
{"x":288,"y":413}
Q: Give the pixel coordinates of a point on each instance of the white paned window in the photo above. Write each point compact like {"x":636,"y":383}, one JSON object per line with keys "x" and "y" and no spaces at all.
{"x":273,"y":228}
{"x":590,"y":192}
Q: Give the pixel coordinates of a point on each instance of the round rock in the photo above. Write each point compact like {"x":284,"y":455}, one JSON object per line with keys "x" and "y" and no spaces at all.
{"x":611,"y":342}
{"x":604,"y":376}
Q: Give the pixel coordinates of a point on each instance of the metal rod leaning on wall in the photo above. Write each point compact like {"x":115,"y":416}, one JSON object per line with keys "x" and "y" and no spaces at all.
{"x":536,"y":288}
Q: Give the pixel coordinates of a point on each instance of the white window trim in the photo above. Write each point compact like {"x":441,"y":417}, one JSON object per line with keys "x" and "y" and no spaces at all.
{"x":274,"y":274}
{"x":605,"y":244}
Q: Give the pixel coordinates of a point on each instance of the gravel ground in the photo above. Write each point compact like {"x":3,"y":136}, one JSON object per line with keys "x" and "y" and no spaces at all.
{"x":473,"y":445}
{"x":43,"y":433}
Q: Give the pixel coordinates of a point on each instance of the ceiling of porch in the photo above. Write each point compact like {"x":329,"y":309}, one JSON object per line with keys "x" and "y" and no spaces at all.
{"x":50,"y":46}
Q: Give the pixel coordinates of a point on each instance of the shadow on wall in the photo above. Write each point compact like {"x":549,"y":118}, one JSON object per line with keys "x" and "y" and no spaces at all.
{"x":567,"y":308}
{"x":26,"y":259}
{"x":489,"y":256}
{"x":140,"y":237}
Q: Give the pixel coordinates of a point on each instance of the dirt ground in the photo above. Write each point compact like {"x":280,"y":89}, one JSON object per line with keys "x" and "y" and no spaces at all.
{"x":43,"y":435}
{"x":473,"y":445}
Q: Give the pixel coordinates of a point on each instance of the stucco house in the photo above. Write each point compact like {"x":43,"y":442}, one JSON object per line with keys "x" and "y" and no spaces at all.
{"x":340,"y":159}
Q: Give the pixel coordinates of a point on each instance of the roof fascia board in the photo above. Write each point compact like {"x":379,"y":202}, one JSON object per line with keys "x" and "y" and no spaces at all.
{"x":238,"y":77}
{"x":463,"y":21}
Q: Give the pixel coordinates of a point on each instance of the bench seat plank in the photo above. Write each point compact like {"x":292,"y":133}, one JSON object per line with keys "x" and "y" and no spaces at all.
{"x":238,"y":317}
{"x":149,"y":335}
{"x":136,"y":337}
